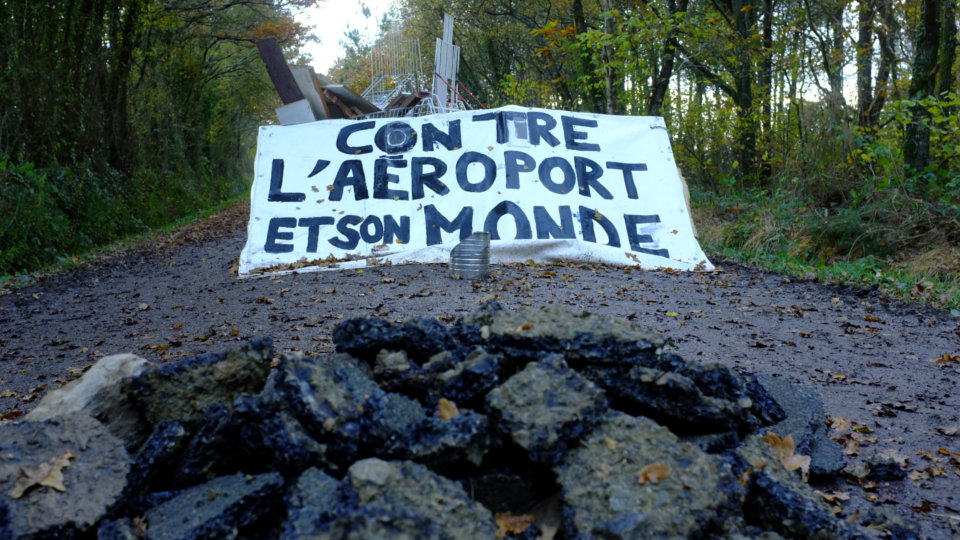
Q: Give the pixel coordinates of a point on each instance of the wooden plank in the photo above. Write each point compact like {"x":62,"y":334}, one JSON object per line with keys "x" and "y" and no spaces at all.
{"x":306,"y":81}
{"x":323,"y":100}
{"x":279,"y":71}
{"x":351,"y":98}
{"x":345,"y":111}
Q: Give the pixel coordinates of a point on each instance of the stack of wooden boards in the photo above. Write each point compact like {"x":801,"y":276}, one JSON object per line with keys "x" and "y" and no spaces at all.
{"x":308,"y":96}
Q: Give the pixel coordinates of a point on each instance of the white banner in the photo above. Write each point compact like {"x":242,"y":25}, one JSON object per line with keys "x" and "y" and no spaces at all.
{"x":547,"y":185}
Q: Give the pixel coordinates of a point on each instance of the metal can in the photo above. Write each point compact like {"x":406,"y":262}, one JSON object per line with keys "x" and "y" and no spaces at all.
{"x":470,"y":259}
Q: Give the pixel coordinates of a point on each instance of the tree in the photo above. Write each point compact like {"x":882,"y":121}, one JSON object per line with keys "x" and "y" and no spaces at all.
{"x":871,"y":96}
{"x":923,"y":79}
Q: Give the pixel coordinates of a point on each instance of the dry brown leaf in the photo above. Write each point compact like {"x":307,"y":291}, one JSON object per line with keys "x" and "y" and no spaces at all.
{"x":447,"y":409}
{"x":49,"y":474}
{"x":839,"y":423}
{"x":947,"y":358}
{"x":10,"y":415}
{"x":508,"y":523}
{"x":834,"y":496}
{"x":653,"y":473}
{"x":785,"y":451}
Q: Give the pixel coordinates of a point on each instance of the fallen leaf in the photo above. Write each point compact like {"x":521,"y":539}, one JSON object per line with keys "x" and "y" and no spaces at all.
{"x":653,"y":473}
{"x":508,"y":523}
{"x":785,"y":451}
{"x":925,"y":506}
{"x":10,"y":415}
{"x":611,"y":443}
{"x":834,"y":496}
{"x":838,"y":423}
{"x":447,"y":409}
{"x":947,"y":358}
{"x":49,"y":474}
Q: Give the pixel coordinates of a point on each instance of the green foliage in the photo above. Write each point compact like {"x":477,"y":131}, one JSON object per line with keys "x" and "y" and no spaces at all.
{"x":53,"y":212}
{"x":122,"y":115}
{"x":875,"y":244}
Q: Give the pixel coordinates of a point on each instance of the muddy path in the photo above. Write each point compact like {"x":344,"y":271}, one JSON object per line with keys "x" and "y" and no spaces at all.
{"x":871,"y":358}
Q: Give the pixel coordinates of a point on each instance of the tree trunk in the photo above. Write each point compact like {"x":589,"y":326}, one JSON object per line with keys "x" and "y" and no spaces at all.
{"x":594,"y":98}
{"x":661,"y":79}
{"x":746,"y":120}
{"x":887,"y":59}
{"x":611,"y":78}
{"x":923,"y":77}
{"x":865,"y":14}
{"x":948,"y":47}
{"x":766,"y":84}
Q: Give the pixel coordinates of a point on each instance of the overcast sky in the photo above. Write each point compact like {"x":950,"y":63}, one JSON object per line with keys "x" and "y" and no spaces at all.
{"x":330,"y":19}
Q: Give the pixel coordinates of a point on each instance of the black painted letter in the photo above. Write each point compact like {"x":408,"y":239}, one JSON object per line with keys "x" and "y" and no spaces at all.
{"x":628,"y":170}
{"x":633,"y":233}
{"x":382,"y":179}
{"x":589,"y":216}
{"x":345,"y":132}
{"x":276,"y":185}
{"x":450,"y":140}
{"x":274,"y":234}
{"x":435,"y":221}
{"x":432,"y":179}
{"x":489,"y":172}
{"x":313,"y":230}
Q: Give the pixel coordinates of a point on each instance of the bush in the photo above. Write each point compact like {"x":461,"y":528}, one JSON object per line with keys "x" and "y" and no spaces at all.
{"x":58,"y":211}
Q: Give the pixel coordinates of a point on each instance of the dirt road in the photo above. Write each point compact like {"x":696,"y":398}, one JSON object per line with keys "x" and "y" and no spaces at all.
{"x":871,"y":358}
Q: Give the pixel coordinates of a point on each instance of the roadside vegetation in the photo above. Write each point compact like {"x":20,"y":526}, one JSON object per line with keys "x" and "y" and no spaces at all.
{"x":820,"y":138}
{"x":123,"y":116}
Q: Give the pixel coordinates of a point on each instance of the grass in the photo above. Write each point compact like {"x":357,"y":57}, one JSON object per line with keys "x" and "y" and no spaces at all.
{"x":63,"y":264}
{"x":872,"y":246}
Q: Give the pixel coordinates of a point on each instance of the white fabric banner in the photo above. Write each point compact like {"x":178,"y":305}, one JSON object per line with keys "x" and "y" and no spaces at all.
{"x":547,"y":185}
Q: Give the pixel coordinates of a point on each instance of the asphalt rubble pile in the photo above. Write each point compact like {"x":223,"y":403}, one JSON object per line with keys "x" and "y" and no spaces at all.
{"x":532,"y":424}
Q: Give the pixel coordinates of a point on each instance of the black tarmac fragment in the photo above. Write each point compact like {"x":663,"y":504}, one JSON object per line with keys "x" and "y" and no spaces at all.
{"x":415,"y":429}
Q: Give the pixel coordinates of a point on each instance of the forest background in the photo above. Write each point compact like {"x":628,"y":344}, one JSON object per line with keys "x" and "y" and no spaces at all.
{"x":820,"y":138}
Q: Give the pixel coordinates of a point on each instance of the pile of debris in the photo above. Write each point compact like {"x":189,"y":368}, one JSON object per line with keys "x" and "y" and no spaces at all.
{"x":535,"y":424}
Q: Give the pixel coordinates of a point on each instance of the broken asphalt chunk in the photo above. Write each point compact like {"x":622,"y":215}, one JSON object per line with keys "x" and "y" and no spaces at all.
{"x":631,"y":478}
{"x":546,"y":408}
{"x":216,"y":509}
{"x":78,"y":472}
{"x":182,"y":391}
